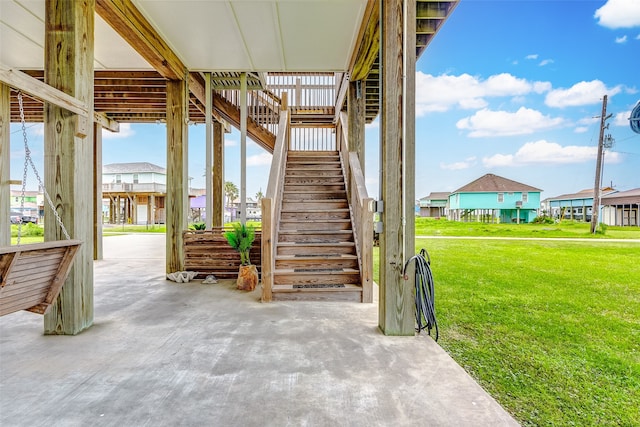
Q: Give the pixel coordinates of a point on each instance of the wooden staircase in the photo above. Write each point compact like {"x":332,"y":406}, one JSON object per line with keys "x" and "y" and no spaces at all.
{"x":315,"y":255}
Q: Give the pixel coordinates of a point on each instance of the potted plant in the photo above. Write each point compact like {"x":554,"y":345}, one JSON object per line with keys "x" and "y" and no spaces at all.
{"x":240,"y":239}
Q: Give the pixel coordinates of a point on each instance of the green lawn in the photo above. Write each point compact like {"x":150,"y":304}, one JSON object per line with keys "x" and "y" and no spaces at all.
{"x":550,"y":328}
{"x":442,"y":227}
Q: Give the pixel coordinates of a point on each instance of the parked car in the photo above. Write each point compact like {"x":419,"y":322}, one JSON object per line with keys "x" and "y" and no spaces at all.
{"x":17,"y":218}
{"x":29,"y":218}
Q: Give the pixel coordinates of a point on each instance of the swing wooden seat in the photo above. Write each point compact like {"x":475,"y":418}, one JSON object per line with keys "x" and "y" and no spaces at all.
{"x":32,"y":275}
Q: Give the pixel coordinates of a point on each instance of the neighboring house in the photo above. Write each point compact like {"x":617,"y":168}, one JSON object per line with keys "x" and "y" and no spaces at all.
{"x":621,"y":208}
{"x":33,"y":204}
{"x":574,"y":206}
{"x":435,"y":205}
{"x":492,"y":198}
{"x":254,"y":210}
{"x":136,"y":192}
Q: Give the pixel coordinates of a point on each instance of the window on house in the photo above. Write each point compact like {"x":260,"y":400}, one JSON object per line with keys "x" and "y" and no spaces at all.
{"x":118,"y":179}
{"x":525,"y":197}
{"x":500,"y":197}
{"x":135,"y":178}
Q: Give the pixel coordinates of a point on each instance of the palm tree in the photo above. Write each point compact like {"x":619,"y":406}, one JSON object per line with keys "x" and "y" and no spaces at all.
{"x":259,"y":195}
{"x":231,"y":192}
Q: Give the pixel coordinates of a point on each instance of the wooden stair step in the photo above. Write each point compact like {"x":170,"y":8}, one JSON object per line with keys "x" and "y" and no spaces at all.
{"x":291,"y":276}
{"x":311,"y":204}
{"x":314,"y":224}
{"x":314,"y":214}
{"x":318,"y":261}
{"x":314,"y":180}
{"x":313,"y":196}
{"x":326,"y":186}
{"x":295,"y":248}
{"x":315,"y":236}
{"x":318,"y":153}
{"x":346,"y":287}
{"x":312,"y":292}
{"x":314,"y":162}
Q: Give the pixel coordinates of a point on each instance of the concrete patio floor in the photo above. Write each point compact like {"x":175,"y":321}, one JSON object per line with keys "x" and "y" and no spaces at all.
{"x":169,"y":354}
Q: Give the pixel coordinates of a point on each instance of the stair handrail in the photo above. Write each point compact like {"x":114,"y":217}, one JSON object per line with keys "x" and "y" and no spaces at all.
{"x":272,"y":202}
{"x":360,"y":206}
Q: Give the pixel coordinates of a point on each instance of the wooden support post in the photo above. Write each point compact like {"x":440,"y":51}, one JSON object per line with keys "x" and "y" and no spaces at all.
{"x":68,"y":162}
{"x":218,"y":175}
{"x":152,"y":208}
{"x":356,"y":111}
{"x":208,"y":130}
{"x":267,"y":250}
{"x":243,"y":148}
{"x":97,"y":191}
{"x":177,"y":183}
{"x":5,"y":149}
{"x":396,"y":310}
{"x":409,"y":121}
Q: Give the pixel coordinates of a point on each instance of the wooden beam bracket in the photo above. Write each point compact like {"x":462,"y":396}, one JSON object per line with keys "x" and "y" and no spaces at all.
{"x":24,"y":82}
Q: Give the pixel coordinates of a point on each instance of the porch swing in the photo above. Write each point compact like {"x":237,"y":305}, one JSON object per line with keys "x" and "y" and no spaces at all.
{"x":32,"y":275}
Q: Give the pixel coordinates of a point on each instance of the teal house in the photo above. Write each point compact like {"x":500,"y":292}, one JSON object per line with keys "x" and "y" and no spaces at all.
{"x":492,"y":198}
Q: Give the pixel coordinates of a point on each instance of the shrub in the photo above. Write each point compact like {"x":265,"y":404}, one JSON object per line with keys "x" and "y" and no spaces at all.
{"x":198,"y":226}
{"x":543,"y":220}
{"x":241,"y":239}
{"x":602,"y":228}
{"x":28,"y":229}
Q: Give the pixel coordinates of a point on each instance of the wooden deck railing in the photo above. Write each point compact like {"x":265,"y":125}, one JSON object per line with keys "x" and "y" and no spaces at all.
{"x":272,"y":203}
{"x":360,"y":202}
{"x":304,"y":89}
{"x":263,"y":107}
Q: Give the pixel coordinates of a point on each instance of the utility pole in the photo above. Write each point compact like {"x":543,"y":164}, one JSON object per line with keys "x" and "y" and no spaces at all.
{"x":596,"y":188}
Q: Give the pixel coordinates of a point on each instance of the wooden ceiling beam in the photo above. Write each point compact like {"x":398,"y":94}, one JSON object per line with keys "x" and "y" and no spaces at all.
{"x":133,"y":27}
{"x":367,"y":50}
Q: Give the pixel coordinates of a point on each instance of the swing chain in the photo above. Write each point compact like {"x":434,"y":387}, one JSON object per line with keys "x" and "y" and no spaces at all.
{"x":29,"y":161}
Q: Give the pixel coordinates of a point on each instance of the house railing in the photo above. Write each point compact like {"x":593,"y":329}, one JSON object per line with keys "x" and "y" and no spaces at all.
{"x":127,"y":187}
{"x":361,"y":214}
{"x":272,"y":202}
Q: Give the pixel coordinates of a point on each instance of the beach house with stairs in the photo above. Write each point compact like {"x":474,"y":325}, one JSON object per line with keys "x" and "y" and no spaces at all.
{"x":301,"y":88}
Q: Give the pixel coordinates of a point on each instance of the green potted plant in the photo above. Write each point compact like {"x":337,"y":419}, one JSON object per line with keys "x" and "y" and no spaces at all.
{"x":240,"y":239}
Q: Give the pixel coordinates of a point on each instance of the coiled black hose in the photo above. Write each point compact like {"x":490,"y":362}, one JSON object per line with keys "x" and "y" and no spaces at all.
{"x":425,"y":293}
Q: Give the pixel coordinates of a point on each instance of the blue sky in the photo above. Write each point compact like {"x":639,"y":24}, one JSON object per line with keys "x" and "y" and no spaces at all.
{"x":506,"y":87}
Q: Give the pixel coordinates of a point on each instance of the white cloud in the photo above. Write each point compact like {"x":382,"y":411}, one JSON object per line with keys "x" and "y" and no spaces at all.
{"x":259,"y":159}
{"x":581,"y":129}
{"x":532,"y":56}
{"x":545,"y":62}
{"x":465,"y":164}
{"x":543,"y":152}
{"x":583,"y":93}
{"x":125,"y":132}
{"x":443,"y":92}
{"x":375,"y":124}
{"x":622,"y":119}
{"x":503,"y":123}
{"x":621,"y":40}
{"x":230,"y":142}
{"x":619,"y":14}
